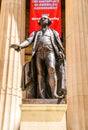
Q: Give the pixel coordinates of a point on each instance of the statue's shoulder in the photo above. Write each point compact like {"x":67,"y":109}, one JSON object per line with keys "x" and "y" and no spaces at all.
{"x":55,"y":32}
{"x":32,"y":34}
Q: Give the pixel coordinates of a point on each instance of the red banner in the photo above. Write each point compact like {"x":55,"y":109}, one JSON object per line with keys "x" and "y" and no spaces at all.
{"x":51,"y":8}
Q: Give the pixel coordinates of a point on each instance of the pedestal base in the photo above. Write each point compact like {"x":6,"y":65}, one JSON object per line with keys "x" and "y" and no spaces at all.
{"x":43,"y":117}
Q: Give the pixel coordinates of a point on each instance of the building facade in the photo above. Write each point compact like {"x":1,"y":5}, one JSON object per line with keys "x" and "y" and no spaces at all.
{"x":12,"y":30}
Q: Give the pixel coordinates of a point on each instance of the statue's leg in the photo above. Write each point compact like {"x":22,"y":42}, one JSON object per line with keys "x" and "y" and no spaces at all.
{"x":40,"y":75}
{"x":50,"y":63}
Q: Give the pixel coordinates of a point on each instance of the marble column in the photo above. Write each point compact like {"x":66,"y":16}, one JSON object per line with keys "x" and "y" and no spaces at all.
{"x":77,"y":64}
{"x":12,"y":30}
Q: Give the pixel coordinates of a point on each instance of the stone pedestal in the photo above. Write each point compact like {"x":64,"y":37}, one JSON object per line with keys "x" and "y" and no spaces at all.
{"x":43,"y":117}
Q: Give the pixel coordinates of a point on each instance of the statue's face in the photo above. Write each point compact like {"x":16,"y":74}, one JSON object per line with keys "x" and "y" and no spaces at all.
{"x":44,"y":21}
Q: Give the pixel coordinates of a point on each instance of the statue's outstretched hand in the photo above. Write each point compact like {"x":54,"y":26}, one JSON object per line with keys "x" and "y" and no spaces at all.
{"x":16,"y":47}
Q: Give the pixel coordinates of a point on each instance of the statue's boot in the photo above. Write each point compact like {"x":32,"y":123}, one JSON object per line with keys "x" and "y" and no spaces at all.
{"x":55,"y":95}
{"x":53,"y":85}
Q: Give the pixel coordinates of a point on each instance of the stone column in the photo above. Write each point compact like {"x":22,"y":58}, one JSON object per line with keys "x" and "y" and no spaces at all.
{"x":77,"y":64}
{"x":0,"y":10}
{"x":12,"y":30}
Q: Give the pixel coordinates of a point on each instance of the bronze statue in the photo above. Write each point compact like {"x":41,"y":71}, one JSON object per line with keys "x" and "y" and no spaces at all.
{"x":47,"y":57}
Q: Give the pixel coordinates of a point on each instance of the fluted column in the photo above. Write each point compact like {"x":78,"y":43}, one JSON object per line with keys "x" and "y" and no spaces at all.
{"x":77,"y":64}
{"x":0,"y":10}
{"x":12,"y":30}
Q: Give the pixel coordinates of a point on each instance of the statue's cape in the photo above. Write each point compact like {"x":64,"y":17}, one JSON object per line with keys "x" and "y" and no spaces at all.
{"x":29,"y":78}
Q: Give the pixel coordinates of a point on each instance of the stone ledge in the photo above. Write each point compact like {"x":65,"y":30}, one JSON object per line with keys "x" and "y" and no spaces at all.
{"x":40,"y":101}
{"x":43,"y":101}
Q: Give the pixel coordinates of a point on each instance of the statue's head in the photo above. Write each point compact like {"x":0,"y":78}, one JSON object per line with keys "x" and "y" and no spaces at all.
{"x":44,"y":20}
